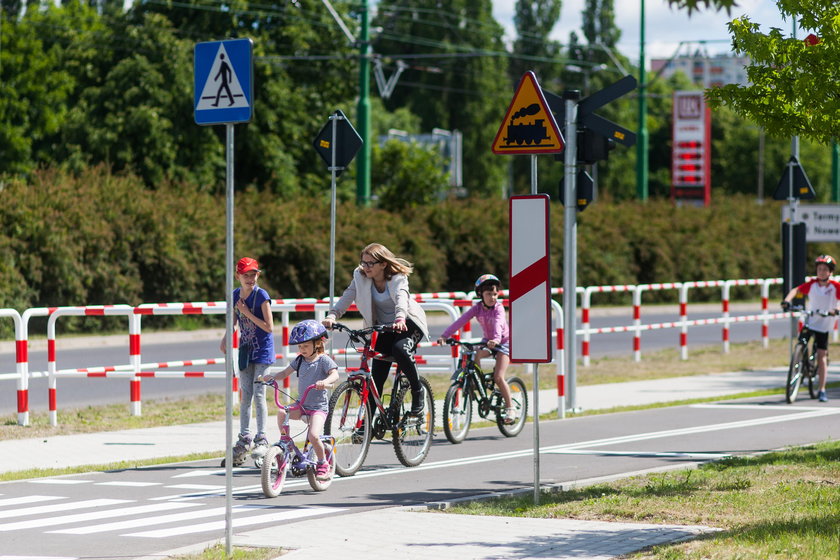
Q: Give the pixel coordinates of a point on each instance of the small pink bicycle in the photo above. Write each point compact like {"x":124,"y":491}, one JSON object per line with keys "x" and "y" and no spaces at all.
{"x":285,"y":457}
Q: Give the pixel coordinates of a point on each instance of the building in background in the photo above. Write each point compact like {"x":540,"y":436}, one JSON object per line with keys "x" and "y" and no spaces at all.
{"x":704,"y":70}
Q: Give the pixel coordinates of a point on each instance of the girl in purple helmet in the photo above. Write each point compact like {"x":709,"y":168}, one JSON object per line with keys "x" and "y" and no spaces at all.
{"x":313,"y":367}
{"x":490,"y":314}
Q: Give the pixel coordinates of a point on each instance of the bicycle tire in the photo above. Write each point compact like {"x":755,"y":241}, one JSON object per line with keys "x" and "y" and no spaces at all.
{"x":519,"y":400}
{"x":457,"y":412}
{"x":321,"y":485}
{"x":412,"y":437}
{"x":813,"y":385}
{"x":346,"y":411}
{"x":273,"y":471}
{"x":794,"y":376}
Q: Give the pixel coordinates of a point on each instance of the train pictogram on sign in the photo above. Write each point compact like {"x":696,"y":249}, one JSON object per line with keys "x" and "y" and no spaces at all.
{"x":528,"y":127}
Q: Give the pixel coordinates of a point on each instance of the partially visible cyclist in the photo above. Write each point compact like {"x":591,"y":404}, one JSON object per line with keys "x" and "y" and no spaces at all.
{"x":490,"y":314}
{"x":822,"y":293}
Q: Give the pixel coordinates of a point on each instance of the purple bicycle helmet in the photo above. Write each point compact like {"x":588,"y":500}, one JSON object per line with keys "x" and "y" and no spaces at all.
{"x":307,"y":330}
{"x":486,"y":280}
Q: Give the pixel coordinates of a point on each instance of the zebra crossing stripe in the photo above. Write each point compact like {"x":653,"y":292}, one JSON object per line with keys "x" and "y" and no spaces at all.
{"x":37,"y":510}
{"x":27,"y":500}
{"x":219,"y":525}
{"x":158,"y":520}
{"x":38,"y":557}
{"x":90,"y":516}
{"x":128,"y":483}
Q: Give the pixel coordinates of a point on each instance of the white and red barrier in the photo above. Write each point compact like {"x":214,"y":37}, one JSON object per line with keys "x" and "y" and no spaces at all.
{"x":444,"y":302}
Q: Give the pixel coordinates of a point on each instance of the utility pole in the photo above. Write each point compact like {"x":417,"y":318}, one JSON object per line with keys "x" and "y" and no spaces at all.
{"x":363,"y":110}
{"x":642,"y":146}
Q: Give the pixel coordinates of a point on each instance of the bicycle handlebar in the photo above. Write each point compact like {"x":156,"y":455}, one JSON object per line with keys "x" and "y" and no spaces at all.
{"x":468,"y":345}
{"x":800,"y":309}
{"x":273,"y":383}
{"x":360,"y":335}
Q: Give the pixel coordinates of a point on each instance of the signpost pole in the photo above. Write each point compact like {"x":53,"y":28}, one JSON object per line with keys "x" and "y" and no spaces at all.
{"x":229,"y":341}
{"x":334,"y":119}
{"x":536,"y":377}
{"x":570,"y":243}
{"x":792,"y":201}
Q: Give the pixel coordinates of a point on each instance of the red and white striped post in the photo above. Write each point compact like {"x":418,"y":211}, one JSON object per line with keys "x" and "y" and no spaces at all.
{"x":724,"y":301}
{"x":684,"y":320}
{"x":134,"y":361}
{"x":637,"y":323}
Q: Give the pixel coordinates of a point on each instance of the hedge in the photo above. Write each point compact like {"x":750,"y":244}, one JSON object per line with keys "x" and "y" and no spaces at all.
{"x":100,"y":238}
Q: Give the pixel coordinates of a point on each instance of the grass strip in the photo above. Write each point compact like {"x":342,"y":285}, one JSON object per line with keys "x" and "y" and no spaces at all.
{"x":781,"y":505}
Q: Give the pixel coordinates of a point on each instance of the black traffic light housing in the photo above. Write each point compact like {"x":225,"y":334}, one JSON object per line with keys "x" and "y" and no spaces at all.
{"x":593,"y":147}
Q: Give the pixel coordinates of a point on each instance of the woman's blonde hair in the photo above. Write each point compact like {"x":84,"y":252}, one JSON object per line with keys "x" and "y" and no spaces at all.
{"x":393,"y":264}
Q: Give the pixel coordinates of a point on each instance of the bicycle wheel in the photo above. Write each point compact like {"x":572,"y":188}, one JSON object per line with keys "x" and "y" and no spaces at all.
{"x":412,"y":437}
{"x":794,"y":377}
{"x":457,"y":412}
{"x":813,"y":378}
{"x":273,"y":471}
{"x":347,"y":423}
{"x":321,"y":485}
{"x":519,"y":400}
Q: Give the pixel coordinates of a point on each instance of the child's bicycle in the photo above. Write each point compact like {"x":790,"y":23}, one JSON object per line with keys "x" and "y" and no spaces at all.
{"x":470,"y":383}
{"x":803,"y":360}
{"x":348,"y":420}
{"x":286,"y":458}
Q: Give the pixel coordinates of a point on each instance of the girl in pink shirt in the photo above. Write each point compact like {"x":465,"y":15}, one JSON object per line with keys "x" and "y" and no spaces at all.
{"x":490,"y":314}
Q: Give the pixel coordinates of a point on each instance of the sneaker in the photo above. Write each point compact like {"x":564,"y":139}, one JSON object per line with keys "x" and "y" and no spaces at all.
{"x":322,"y":471}
{"x":260,"y":446}
{"x":822,"y":396}
{"x":417,"y":404}
{"x":509,"y":417}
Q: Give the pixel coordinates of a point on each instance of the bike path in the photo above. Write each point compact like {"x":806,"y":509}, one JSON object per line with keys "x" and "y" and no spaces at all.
{"x":167,"y":441}
{"x":401,"y":531}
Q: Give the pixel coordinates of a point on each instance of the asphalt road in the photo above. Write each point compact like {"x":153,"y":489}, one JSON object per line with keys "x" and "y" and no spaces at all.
{"x":138,"y":512}
{"x":75,"y":392}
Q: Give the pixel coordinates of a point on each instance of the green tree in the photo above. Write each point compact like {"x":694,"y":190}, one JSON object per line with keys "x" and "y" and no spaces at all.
{"x":406,"y":175}
{"x":455,"y":79}
{"x":793,"y":83}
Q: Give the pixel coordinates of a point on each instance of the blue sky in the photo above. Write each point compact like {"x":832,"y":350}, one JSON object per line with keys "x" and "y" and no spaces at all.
{"x":665,"y":28}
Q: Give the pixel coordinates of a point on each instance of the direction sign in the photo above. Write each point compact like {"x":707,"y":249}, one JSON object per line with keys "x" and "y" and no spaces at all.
{"x":347,"y":142}
{"x":822,"y":221}
{"x":528,"y":127}
{"x":223,"y":80}
{"x":802,"y":188}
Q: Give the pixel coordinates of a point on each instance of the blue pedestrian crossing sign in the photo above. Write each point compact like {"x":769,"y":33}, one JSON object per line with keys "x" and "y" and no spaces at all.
{"x":224,"y":79}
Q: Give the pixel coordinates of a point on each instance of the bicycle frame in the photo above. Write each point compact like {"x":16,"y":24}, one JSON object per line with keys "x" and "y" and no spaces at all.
{"x":304,"y":460}
{"x":475,"y":379}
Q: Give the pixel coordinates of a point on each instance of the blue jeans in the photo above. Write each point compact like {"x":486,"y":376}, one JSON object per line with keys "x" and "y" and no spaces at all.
{"x":249,"y":392}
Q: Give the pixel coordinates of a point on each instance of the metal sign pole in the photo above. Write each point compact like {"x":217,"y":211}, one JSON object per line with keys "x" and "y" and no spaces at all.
{"x":792,"y":201}
{"x":570,"y":243}
{"x":334,"y":120}
{"x":229,"y":341}
{"x":536,"y":377}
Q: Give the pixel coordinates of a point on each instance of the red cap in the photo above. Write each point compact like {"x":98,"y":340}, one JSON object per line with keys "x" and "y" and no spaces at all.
{"x":247,"y":264}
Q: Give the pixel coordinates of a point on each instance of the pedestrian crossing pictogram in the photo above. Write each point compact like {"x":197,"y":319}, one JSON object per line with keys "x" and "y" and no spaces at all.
{"x":223,"y":82}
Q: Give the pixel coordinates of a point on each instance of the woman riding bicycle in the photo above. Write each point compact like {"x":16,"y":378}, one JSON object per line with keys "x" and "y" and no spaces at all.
{"x":822,"y":293}
{"x":490,"y":314}
{"x":380,"y":290}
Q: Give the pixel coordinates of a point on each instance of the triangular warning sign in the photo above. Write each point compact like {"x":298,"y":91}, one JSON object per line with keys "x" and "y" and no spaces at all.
{"x":528,"y":126}
{"x":802,"y":188}
{"x":222,"y":89}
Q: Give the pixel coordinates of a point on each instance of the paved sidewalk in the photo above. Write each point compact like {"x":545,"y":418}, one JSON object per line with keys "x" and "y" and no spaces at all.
{"x":410,"y":533}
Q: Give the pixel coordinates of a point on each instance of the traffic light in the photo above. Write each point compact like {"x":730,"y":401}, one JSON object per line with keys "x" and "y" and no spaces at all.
{"x":592,"y":147}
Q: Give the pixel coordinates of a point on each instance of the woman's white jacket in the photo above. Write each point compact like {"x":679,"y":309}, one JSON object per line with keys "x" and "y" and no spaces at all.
{"x":359,"y":291}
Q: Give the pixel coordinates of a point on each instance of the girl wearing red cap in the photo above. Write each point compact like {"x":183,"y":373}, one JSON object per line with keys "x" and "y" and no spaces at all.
{"x":256,"y":353}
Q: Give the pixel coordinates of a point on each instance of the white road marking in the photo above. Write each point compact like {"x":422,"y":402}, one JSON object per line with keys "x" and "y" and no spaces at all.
{"x":209,"y":487}
{"x":58,"y":481}
{"x":128,"y":483}
{"x":677,"y":454}
{"x":39,"y":557}
{"x":27,"y":500}
{"x":746,"y":406}
{"x":37,"y":510}
{"x":91,"y":516}
{"x":236,"y":522}
{"x":158,"y":520}
{"x":205,"y":472}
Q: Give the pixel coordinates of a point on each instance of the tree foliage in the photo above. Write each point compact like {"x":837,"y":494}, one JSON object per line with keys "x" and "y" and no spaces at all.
{"x":793,"y":82}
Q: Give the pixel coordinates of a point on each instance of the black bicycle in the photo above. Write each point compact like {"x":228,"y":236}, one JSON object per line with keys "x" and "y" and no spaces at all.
{"x":803,"y":360}
{"x":348,"y":419}
{"x":470,"y":384}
